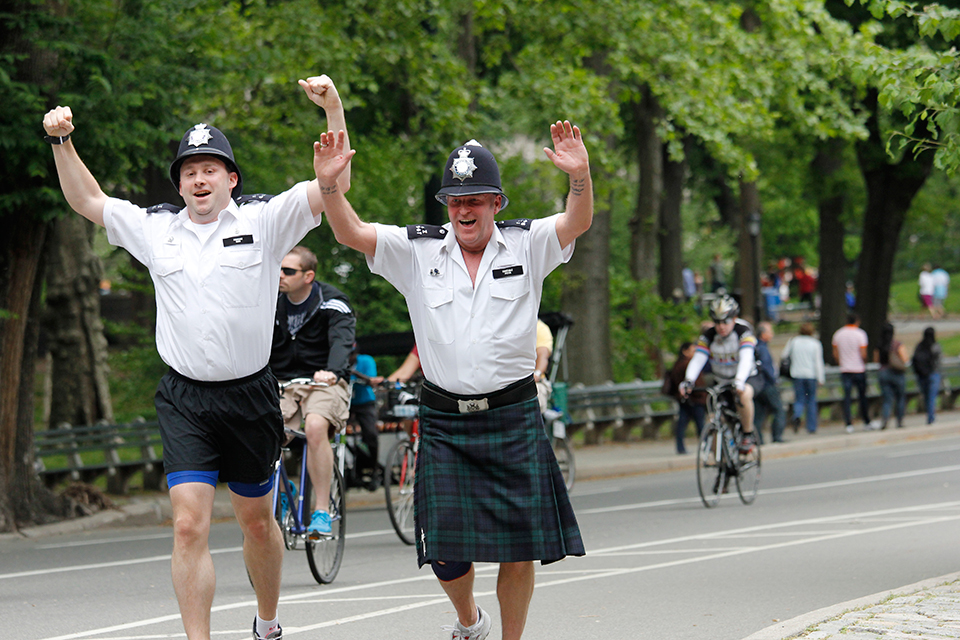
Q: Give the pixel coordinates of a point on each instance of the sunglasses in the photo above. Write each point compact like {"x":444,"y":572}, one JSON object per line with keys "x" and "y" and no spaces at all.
{"x":289,"y":271}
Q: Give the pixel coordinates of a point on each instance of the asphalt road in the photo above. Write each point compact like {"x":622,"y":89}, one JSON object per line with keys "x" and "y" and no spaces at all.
{"x":826,"y":528}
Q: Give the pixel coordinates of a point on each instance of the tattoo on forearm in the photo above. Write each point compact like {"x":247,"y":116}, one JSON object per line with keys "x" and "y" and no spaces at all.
{"x":577,"y":186}
{"x":328,"y":190}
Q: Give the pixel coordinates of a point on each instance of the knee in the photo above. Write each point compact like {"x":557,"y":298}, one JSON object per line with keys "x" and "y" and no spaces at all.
{"x":317,"y":429}
{"x":259,"y":529}
{"x":190,"y":528}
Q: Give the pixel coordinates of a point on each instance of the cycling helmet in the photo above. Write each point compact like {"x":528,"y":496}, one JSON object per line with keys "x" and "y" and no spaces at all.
{"x":724,"y":308}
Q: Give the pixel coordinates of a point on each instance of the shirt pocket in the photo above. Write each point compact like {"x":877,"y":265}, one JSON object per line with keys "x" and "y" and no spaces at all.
{"x":240,"y":271}
{"x":438,"y":311}
{"x":168,"y":276}
{"x":511,"y":306}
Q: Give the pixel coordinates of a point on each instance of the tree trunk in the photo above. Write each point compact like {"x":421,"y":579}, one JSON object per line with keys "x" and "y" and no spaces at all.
{"x":671,"y":227}
{"x":21,"y":246}
{"x":643,"y":225}
{"x":891,"y":187}
{"x":78,"y":348}
{"x":831,"y":202}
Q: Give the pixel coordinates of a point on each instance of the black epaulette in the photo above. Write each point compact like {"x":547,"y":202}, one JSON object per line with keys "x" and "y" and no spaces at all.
{"x":253,"y":197}
{"x":166,"y":206}
{"x":415,"y":231}
{"x":519,"y":223}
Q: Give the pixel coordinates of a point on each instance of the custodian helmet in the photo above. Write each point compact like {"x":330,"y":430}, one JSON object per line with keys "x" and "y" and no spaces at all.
{"x":470,"y":170}
{"x":203,"y":139}
{"x":724,"y":308}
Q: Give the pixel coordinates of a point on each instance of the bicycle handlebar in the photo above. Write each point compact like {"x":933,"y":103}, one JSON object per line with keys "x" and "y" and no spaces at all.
{"x":309,"y":382}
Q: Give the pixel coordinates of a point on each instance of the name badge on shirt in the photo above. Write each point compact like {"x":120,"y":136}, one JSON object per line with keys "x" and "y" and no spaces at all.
{"x":235,"y":240}
{"x":506,"y":272}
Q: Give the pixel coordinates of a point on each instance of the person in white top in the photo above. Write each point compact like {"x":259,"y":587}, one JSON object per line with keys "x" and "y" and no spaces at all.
{"x":927,"y":285}
{"x":473,"y":289}
{"x":807,"y":372}
{"x":941,"y":283}
{"x":215,"y":264}
{"x":850,"y":352}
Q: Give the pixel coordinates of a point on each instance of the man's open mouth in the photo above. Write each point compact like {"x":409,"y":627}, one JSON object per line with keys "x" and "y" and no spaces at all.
{"x":468,"y":223}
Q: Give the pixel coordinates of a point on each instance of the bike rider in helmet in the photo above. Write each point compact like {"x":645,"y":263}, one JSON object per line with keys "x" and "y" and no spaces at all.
{"x":729,"y":345}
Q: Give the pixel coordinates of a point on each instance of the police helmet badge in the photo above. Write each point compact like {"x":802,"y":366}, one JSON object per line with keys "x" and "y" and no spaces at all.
{"x":463,"y":166}
{"x":199,"y":135}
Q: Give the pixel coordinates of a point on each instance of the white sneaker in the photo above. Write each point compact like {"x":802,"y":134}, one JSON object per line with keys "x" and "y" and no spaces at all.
{"x":849,"y":428}
{"x":873,"y":426}
{"x":479,"y":631}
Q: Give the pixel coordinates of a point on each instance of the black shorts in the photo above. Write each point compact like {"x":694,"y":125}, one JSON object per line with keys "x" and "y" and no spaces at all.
{"x":234,"y":427}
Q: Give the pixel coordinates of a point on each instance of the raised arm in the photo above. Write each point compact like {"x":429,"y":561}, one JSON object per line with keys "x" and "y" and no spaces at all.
{"x":570,"y":156}
{"x":323,"y":93}
{"x":80,"y":188}
{"x":330,"y":159}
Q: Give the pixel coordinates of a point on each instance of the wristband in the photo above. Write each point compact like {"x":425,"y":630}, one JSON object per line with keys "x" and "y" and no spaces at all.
{"x":56,"y":139}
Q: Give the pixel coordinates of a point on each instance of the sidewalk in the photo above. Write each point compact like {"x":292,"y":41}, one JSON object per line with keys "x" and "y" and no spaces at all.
{"x":928,"y":609}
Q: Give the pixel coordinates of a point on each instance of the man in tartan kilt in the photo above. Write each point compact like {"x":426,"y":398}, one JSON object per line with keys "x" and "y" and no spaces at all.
{"x":488,"y":488}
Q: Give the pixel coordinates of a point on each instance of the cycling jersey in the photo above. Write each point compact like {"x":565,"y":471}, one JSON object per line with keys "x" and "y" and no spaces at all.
{"x":731,"y":357}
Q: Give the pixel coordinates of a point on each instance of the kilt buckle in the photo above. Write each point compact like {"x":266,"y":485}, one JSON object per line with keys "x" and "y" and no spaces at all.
{"x":473,"y":404}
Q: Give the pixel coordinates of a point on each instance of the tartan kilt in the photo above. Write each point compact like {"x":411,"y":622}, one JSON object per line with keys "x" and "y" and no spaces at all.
{"x":488,"y":489}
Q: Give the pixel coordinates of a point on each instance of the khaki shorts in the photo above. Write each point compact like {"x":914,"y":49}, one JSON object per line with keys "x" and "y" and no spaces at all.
{"x":332,"y":403}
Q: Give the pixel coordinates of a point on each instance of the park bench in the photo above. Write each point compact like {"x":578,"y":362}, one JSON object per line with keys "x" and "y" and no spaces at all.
{"x":117,"y":451}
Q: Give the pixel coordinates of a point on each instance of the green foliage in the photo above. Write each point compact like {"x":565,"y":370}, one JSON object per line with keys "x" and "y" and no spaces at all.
{"x":134,"y":374}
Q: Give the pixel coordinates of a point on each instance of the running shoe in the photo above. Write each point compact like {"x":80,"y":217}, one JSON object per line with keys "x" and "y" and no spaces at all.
{"x":748,"y":443}
{"x":273,"y":635}
{"x":478,"y":631}
{"x":319,"y":525}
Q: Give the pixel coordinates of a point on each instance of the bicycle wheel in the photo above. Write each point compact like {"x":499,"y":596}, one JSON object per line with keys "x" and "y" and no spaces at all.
{"x":564,"y":454}
{"x":711,"y":469}
{"x":398,"y":477}
{"x":748,"y":475}
{"x":325,"y":555}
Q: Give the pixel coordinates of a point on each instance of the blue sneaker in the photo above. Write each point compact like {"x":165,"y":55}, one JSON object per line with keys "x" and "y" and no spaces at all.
{"x":319,"y":525}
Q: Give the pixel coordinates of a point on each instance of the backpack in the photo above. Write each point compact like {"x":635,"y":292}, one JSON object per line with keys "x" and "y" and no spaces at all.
{"x":922,"y":362}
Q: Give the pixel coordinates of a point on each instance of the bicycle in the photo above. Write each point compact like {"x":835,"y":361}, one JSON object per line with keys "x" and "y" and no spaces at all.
{"x":718,"y":454}
{"x":325,"y":553}
{"x":556,"y":418}
{"x":399,"y":471}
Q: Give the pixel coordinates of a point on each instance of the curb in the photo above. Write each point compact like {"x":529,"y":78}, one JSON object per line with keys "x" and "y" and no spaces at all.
{"x":795,"y":627}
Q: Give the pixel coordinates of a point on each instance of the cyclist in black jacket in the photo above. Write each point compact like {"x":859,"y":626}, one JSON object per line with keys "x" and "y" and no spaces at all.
{"x":313,"y":335}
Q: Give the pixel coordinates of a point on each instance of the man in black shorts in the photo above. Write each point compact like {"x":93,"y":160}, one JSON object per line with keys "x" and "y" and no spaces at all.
{"x":215,"y":265}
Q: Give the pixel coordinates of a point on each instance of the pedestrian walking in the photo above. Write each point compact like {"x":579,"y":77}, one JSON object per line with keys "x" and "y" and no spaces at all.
{"x":693,"y":406}
{"x":892,"y":357}
{"x":941,"y":283}
{"x":850,"y":352}
{"x":768,"y":400}
{"x":926,"y":289}
{"x":215,"y":264}
{"x":473,"y":288}
{"x":926,"y":364}
{"x":805,"y":355}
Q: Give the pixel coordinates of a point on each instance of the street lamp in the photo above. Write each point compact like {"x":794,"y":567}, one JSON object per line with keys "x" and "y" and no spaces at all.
{"x":753,"y":228}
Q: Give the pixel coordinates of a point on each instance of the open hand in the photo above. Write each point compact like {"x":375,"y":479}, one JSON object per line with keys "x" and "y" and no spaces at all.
{"x":322,"y":92}
{"x":58,"y":122}
{"x":569,"y":153}
{"x":329,"y":160}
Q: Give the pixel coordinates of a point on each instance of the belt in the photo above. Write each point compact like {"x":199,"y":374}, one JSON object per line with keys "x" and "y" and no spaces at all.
{"x":433,"y":397}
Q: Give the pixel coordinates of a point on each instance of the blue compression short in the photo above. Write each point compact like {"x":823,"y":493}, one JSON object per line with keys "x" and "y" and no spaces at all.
{"x":245,"y":489}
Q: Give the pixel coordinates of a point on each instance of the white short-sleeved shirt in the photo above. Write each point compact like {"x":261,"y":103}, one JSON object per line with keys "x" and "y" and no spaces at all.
{"x":216,"y":297}
{"x":472,"y":340}
{"x":926,"y":283}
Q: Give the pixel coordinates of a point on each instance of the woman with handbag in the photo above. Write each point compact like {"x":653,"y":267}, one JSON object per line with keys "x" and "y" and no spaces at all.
{"x":892,"y":356}
{"x":803,"y":355}
{"x":926,"y":364}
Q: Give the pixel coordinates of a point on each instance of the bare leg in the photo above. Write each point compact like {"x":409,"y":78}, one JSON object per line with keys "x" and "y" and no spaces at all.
{"x":460,"y":592}
{"x":514,"y":591}
{"x":194,"y":580}
{"x":746,"y":408}
{"x":319,"y":459}
{"x":262,"y":549}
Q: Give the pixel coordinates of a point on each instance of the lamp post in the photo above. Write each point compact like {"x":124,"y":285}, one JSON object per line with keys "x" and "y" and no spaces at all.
{"x":753,"y":228}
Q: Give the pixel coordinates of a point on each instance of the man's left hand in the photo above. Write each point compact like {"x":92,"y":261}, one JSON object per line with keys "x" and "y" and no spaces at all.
{"x":569,"y":153}
{"x":326,"y":377}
